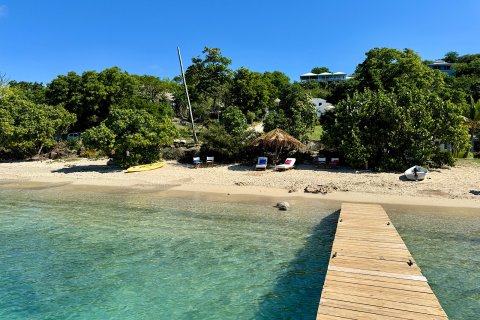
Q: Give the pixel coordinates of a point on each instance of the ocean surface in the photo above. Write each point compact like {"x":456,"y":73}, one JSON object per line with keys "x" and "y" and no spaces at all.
{"x":70,"y":254}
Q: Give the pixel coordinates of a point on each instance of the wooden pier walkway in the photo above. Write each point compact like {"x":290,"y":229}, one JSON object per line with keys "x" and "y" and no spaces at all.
{"x":371,"y":273}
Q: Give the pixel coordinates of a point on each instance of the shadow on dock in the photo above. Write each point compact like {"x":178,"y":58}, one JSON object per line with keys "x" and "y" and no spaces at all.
{"x":296,"y":294}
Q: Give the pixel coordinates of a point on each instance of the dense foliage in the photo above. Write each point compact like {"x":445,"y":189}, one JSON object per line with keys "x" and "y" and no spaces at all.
{"x":467,"y":74}
{"x":132,"y":136}
{"x":394,"y":112}
{"x":91,"y":94}
{"x":208,"y":79}
{"x":234,"y":121}
{"x":26,"y":128}
{"x":226,"y":146}
{"x":399,"y":114}
{"x":252,"y":92}
{"x":387,"y":130}
{"x":295,"y":114}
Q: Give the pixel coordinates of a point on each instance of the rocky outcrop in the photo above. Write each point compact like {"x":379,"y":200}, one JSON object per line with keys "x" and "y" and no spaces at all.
{"x":320,"y":188}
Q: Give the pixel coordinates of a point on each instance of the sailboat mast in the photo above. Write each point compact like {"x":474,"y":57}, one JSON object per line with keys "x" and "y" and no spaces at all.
{"x":188,"y":97}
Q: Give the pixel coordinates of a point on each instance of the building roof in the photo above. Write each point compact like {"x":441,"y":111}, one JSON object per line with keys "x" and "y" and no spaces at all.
{"x":440,"y":62}
{"x":308,"y":74}
{"x":325,"y":74}
{"x":339,"y":73}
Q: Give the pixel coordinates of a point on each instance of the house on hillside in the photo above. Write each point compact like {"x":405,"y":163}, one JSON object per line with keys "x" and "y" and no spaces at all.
{"x":442,"y":66}
{"x":324,"y":77}
{"x":321,"y":105}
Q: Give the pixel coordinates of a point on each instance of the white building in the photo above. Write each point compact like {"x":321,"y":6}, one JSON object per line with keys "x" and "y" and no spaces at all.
{"x":324,"y":77}
{"x":321,"y":105}
{"x":442,"y":66}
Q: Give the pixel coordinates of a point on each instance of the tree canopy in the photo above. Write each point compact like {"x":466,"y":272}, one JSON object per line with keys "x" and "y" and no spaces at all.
{"x":399,"y":113}
{"x":393,"y":93}
{"x":134,"y":136}
{"x":91,"y":94}
{"x":208,"y":79}
{"x":252,"y":92}
{"x":27,"y":127}
{"x":319,"y":70}
{"x":295,"y":113}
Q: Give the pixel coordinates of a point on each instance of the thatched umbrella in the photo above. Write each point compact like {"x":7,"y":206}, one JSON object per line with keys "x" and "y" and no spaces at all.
{"x":278,"y":140}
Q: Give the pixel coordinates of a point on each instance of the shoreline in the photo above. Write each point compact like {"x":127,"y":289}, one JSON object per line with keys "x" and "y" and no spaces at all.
{"x":240,"y":182}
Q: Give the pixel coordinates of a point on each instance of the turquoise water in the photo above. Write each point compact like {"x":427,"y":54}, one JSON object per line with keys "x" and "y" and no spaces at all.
{"x":446,"y":245}
{"x":67,"y":254}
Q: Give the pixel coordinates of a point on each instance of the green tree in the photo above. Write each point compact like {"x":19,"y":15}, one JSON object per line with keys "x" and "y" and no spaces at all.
{"x":295,"y":113}
{"x":33,"y":91}
{"x":472,"y":117}
{"x":390,"y":69}
{"x":252,"y":92}
{"x":451,"y":57}
{"x":317,"y":89}
{"x":340,"y":90}
{"x":234,"y":121}
{"x":318,"y":70}
{"x":208,"y":79}
{"x":154,"y":89}
{"x":27,"y":128}
{"x":280,"y":81}
{"x":225,"y":146}
{"x":135,"y":136}
{"x":467,"y":75}
{"x":389,"y":130}
{"x":91,"y":95}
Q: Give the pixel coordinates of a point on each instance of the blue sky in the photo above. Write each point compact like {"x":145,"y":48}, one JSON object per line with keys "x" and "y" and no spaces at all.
{"x":40,"y":40}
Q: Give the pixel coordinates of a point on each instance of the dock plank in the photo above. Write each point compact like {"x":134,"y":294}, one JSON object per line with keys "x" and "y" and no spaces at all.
{"x":371,"y":273}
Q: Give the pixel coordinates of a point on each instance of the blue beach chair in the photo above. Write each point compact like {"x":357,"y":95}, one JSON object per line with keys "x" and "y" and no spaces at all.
{"x":197,"y":162}
{"x":261,"y":163}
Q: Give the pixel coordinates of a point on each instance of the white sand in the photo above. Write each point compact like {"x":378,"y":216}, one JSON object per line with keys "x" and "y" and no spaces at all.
{"x":453,"y":187}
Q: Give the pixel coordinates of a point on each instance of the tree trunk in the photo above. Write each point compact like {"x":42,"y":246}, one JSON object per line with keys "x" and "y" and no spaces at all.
{"x":40,"y":150}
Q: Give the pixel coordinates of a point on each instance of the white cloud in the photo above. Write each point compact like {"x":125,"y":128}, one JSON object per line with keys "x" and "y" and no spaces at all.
{"x":3,"y":10}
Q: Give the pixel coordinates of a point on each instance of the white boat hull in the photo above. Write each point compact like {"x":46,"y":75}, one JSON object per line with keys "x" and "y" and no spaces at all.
{"x":416,"y":173}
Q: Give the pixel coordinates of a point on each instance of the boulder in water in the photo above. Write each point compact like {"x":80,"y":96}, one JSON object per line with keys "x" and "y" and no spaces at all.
{"x":284,"y":206}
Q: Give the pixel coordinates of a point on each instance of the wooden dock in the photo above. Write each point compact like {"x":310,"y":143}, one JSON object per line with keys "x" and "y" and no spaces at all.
{"x":371,"y":273}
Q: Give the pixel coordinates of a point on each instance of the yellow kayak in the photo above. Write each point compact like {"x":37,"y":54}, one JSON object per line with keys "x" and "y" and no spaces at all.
{"x":146,"y":167}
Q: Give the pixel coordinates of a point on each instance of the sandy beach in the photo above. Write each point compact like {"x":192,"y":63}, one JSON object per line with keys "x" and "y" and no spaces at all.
{"x":458,"y":186}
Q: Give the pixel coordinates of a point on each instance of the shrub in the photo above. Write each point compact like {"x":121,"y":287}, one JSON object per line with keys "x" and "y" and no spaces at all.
{"x":170,"y":153}
{"x":135,"y":135}
{"x":234,"y":121}
{"x":92,"y":154}
{"x":223,"y":146}
{"x":442,"y":158}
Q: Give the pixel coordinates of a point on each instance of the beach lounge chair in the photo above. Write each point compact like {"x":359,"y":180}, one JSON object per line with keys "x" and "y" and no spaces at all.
{"x":287,"y":165}
{"x":261,"y":163}
{"x":209,"y":161}
{"x":197,"y":162}
{"x":334,"y":162}
{"x":321,"y":162}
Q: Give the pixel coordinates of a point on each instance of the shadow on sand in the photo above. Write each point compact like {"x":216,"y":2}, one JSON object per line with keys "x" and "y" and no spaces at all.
{"x":92,"y":168}
{"x":239,"y":167}
{"x":300,"y":167}
{"x":296,"y":294}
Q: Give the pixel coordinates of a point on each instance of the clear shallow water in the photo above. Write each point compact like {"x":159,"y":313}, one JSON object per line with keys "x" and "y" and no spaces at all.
{"x":72,"y":255}
{"x":446,"y":245}
{"x":133,"y":256}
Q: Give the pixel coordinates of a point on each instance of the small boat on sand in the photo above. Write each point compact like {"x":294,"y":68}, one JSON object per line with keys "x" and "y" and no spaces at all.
{"x":416,"y":173}
{"x":146,"y":167}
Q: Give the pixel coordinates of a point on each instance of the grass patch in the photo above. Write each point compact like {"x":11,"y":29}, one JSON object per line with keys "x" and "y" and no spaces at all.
{"x":316,"y":134}
{"x":471,"y":161}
